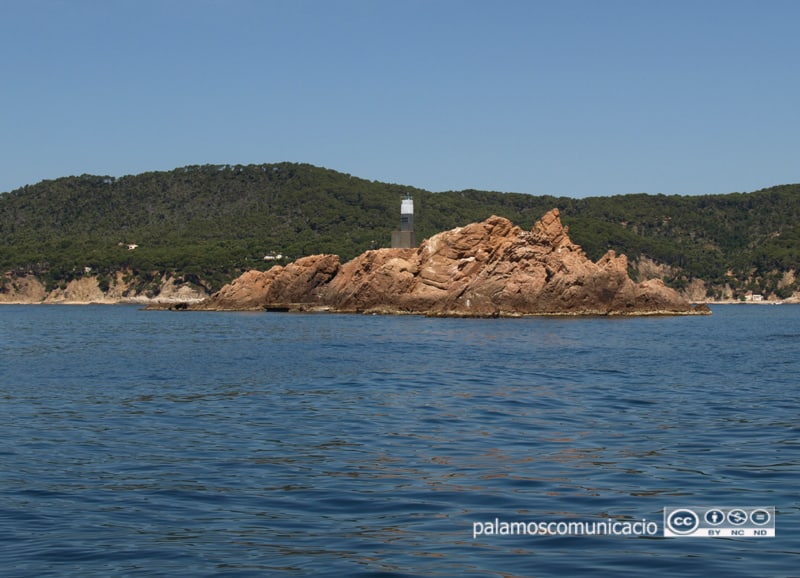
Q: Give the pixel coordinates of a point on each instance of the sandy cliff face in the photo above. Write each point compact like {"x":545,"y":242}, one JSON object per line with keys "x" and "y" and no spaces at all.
{"x":85,"y":290}
{"x":483,"y":269}
{"x":28,"y":289}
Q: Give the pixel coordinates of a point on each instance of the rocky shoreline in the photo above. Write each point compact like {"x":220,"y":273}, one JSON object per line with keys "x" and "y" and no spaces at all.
{"x":486,"y":269}
{"x":28,"y":290}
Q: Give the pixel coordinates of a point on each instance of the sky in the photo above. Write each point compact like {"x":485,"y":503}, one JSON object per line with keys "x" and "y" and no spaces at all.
{"x":568,"y":98}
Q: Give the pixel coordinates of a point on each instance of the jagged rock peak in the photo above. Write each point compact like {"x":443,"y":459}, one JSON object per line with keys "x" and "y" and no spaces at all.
{"x":550,"y":231}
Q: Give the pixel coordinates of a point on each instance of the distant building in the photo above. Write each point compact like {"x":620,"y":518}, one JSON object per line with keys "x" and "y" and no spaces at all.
{"x":405,"y":238}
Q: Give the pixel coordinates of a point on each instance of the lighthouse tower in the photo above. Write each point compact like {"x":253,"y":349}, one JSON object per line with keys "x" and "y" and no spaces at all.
{"x":404,"y":238}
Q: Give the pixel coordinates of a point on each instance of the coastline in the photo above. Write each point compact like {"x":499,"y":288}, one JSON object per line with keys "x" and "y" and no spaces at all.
{"x":180,"y":303}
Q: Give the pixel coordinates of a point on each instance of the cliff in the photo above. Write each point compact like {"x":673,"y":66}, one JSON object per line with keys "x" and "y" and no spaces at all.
{"x":28,"y":289}
{"x":491,"y":268}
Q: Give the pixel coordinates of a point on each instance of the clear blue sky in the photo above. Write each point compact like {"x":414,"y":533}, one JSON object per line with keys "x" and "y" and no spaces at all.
{"x":567,"y":97}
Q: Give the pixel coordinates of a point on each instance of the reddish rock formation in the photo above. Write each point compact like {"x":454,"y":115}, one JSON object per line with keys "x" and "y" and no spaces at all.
{"x":483,"y":269}
{"x":297,"y":283}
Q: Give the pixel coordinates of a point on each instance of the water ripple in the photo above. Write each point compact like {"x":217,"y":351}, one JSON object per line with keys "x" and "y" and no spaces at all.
{"x":252,"y":445}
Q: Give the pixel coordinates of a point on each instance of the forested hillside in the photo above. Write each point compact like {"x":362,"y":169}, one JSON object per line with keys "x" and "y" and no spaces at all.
{"x":209,"y":223}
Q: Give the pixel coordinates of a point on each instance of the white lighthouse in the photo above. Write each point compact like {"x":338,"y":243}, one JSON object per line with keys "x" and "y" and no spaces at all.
{"x":404,"y":238}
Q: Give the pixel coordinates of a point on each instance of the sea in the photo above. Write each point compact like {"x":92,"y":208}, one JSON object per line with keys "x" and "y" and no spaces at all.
{"x":159,"y":443}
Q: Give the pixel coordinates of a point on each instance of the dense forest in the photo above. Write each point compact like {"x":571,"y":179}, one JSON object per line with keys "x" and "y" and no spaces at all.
{"x":209,"y":223}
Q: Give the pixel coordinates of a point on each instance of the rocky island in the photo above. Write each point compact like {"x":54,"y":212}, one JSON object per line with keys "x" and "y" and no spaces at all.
{"x":486,"y":269}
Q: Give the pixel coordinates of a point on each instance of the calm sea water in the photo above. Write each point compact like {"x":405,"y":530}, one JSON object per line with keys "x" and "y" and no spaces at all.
{"x":205,"y":444}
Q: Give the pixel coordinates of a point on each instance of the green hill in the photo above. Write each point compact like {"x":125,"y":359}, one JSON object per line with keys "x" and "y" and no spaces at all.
{"x":209,"y":223}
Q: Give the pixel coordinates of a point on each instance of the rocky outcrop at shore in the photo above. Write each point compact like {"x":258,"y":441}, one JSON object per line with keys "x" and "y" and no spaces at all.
{"x":299,"y":282}
{"x":491,"y":268}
